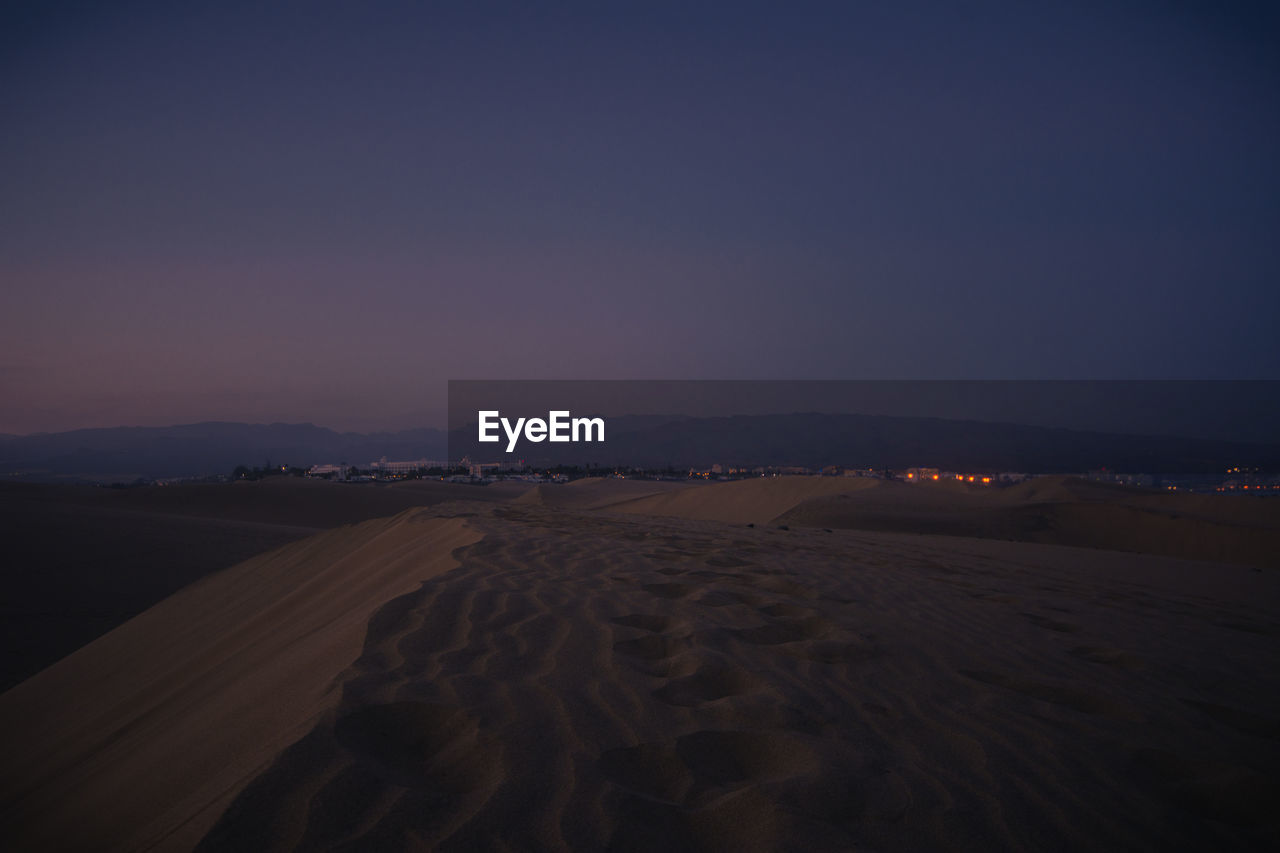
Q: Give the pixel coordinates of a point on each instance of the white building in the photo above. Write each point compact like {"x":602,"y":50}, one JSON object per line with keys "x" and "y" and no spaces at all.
{"x":384,"y":467}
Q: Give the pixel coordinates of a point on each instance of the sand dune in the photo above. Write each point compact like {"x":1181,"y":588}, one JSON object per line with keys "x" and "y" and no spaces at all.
{"x":1059,"y":510}
{"x":597,"y":492}
{"x":81,"y":560}
{"x":618,"y":678}
{"x":140,"y":739}
{"x":603,"y":682}
{"x":292,"y":501}
{"x":1049,"y":510}
{"x":754,"y":501}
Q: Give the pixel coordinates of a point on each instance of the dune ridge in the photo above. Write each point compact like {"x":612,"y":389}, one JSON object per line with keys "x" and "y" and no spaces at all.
{"x":1048,"y":510}
{"x":754,"y":501}
{"x":568,"y":670}
{"x":597,"y":492}
{"x":82,"y":560}
{"x":604,"y":681}
{"x":140,"y":739}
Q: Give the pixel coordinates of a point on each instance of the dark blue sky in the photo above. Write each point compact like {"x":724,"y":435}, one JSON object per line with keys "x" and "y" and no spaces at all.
{"x":322,"y":212}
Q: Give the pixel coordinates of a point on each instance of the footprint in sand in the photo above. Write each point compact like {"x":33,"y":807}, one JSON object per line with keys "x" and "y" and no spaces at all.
{"x":1111,"y":657}
{"x":661,"y":655}
{"x":1084,"y":701}
{"x":681,"y":770}
{"x":786,"y":611}
{"x":747,"y":790}
{"x":838,"y":651}
{"x":1214,"y":789}
{"x":709,"y":574}
{"x":654,"y":647}
{"x":420,"y":745}
{"x":783,"y":631}
{"x":717,"y":597}
{"x":775,"y":583}
{"x":726,"y":562}
{"x":708,"y":683}
{"x":646,"y":621}
{"x":996,"y":597}
{"x":669,"y":590}
{"x":1051,"y":623}
{"x":1239,"y":719}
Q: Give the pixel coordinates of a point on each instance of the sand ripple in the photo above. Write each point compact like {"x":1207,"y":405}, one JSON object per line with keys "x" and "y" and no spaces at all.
{"x":589,"y":681}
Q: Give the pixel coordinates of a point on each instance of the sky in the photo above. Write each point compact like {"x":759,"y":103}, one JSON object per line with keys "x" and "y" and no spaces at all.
{"x":324,"y":211}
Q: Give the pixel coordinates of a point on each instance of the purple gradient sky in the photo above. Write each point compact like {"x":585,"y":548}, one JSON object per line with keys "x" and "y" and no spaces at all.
{"x":322,"y":212}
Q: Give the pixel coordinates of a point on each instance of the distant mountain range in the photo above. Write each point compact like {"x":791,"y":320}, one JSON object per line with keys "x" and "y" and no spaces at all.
{"x":127,"y":453}
{"x":812,"y":440}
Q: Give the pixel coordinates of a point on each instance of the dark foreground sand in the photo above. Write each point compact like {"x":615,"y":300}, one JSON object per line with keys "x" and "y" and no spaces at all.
{"x":529,"y":676}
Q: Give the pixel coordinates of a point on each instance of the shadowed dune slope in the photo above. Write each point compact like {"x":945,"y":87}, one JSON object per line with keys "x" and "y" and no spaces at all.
{"x":140,"y":739}
{"x":588,"y":681}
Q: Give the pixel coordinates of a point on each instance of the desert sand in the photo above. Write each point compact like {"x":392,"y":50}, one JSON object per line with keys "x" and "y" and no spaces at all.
{"x":619,"y":666}
{"x":81,"y":560}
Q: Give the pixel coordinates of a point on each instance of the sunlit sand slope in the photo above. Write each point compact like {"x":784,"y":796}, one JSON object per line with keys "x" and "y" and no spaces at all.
{"x":756,"y":501}
{"x":81,"y":560}
{"x":596,"y":492}
{"x":139,"y":740}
